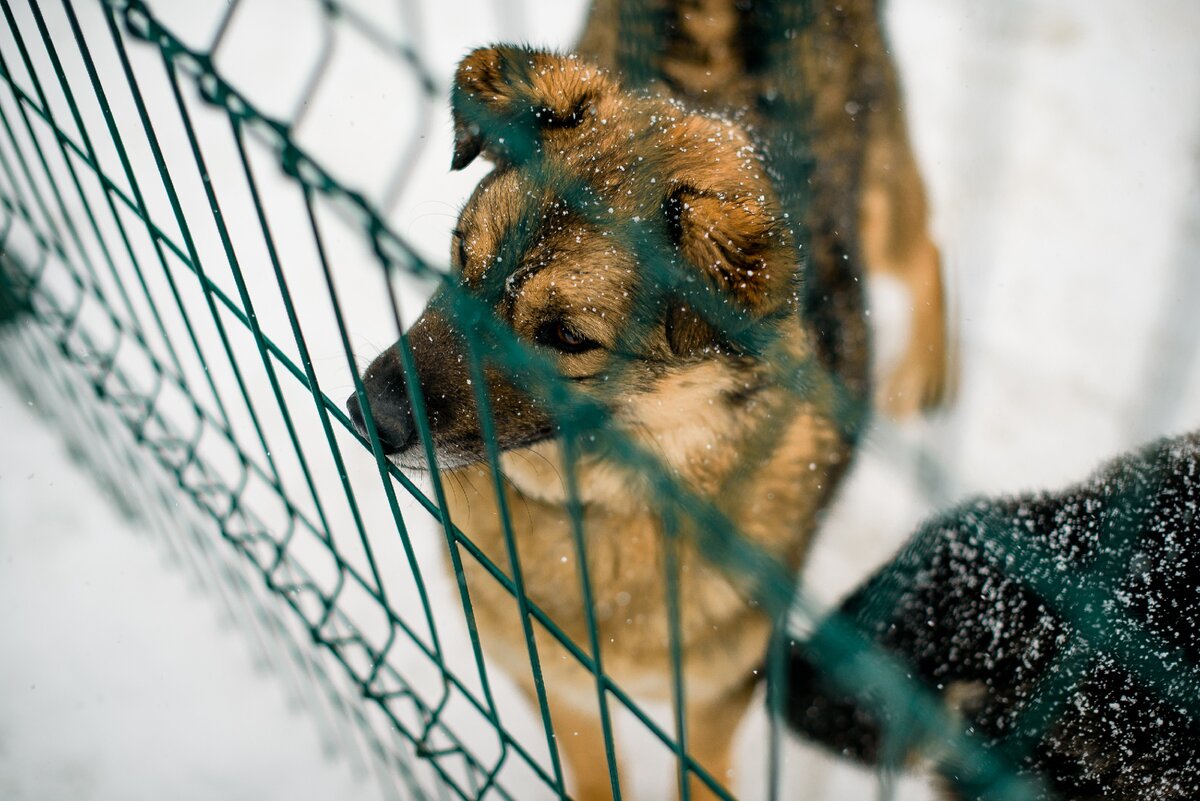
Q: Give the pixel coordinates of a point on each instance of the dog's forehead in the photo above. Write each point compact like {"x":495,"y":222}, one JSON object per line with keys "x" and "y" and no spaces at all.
{"x":515,"y":225}
{"x":573,"y":263}
{"x":488,"y":221}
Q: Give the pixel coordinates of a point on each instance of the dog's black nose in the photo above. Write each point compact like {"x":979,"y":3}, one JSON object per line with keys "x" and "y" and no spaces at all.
{"x":393,"y":422}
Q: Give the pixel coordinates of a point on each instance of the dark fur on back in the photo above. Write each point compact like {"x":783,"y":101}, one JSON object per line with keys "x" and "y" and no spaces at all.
{"x":1095,"y":591}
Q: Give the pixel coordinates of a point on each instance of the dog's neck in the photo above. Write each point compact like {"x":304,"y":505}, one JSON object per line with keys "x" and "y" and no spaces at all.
{"x":538,"y":475}
{"x":785,"y":492}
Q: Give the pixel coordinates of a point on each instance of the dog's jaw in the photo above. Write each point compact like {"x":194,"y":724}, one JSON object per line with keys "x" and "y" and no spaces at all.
{"x":458,"y":456}
{"x":538,"y":473}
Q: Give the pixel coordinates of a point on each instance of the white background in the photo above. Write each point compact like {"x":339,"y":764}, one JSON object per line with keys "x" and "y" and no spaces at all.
{"x":1061,"y":143}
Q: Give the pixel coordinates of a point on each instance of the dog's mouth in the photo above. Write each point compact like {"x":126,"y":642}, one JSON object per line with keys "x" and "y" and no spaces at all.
{"x":462,"y":452}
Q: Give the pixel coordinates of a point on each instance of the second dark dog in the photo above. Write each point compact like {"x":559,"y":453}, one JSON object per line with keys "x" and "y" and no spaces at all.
{"x":1064,"y":628}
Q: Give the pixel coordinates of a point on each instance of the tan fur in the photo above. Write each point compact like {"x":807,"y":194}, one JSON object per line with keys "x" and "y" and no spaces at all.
{"x":683,"y":420}
{"x":723,"y":637}
{"x":720,"y":421}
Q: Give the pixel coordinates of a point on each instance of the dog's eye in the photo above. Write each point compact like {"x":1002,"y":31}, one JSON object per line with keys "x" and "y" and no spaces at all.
{"x":563,"y":337}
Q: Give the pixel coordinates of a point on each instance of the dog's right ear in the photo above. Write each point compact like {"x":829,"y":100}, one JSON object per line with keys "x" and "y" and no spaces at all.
{"x":505,"y":99}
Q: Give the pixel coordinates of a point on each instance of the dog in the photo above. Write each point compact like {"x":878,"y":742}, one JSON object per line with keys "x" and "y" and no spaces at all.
{"x":598,"y":174}
{"x":1064,"y":628}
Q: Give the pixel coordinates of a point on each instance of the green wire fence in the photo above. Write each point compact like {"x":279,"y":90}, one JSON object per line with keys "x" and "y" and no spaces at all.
{"x":180,"y":257}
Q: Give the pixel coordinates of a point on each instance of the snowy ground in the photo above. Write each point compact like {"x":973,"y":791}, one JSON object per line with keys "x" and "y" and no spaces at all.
{"x":1061,"y":141}
{"x":120,"y":679}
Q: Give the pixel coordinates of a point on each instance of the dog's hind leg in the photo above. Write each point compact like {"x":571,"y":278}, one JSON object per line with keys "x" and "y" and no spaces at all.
{"x":894,"y":231}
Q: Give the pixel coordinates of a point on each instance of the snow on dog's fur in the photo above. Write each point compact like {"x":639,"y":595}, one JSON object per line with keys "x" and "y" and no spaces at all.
{"x":1095,"y":589}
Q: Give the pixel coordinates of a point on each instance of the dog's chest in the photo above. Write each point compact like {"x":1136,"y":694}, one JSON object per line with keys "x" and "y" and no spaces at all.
{"x":628,"y":581}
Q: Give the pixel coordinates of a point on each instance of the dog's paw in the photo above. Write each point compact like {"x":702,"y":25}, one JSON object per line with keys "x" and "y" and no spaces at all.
{"x":923,"y":381}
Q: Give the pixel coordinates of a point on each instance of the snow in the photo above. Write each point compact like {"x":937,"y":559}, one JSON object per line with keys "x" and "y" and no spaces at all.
{"x":1061,"y":143}
{"x":121,"y":678}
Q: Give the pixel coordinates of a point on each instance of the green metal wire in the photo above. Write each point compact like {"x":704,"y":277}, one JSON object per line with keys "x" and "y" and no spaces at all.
{"x":115,"y":348}
{"x":189,"y":256}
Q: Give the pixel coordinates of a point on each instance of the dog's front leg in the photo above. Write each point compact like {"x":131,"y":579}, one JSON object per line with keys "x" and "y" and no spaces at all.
{"x":580,"y":735}
{"x":711,"y":725}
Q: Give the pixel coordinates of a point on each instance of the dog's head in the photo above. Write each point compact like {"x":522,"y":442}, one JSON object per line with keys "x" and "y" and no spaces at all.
{"x":638,"y":246}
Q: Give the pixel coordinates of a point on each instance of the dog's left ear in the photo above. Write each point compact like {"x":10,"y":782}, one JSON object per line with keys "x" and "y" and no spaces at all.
{"x":733,"y":237}
{"x":505,"y":99}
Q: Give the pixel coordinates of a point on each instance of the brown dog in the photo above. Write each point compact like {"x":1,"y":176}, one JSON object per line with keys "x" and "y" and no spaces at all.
{"x":695,"y":363}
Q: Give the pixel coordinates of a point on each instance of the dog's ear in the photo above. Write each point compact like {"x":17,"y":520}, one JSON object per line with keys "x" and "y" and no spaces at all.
{"x":506,"y":98}
{"x":735,"y":240}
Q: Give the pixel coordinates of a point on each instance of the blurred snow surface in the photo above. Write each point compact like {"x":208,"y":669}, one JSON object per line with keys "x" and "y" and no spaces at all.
{"x":1060,"y":143}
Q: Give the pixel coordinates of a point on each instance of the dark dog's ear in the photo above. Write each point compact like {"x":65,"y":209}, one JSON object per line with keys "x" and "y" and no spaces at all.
{"x":506,"y":98}
{"x":736,"y":241}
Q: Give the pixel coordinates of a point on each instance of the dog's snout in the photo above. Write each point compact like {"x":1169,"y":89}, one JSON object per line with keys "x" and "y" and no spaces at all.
{"x":393,"y":421}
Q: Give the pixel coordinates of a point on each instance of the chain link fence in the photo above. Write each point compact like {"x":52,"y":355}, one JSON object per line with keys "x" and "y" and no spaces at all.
{"x":184,"y":251}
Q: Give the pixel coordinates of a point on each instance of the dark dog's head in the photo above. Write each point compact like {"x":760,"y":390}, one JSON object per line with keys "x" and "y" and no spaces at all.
{"x":634,"y":244}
